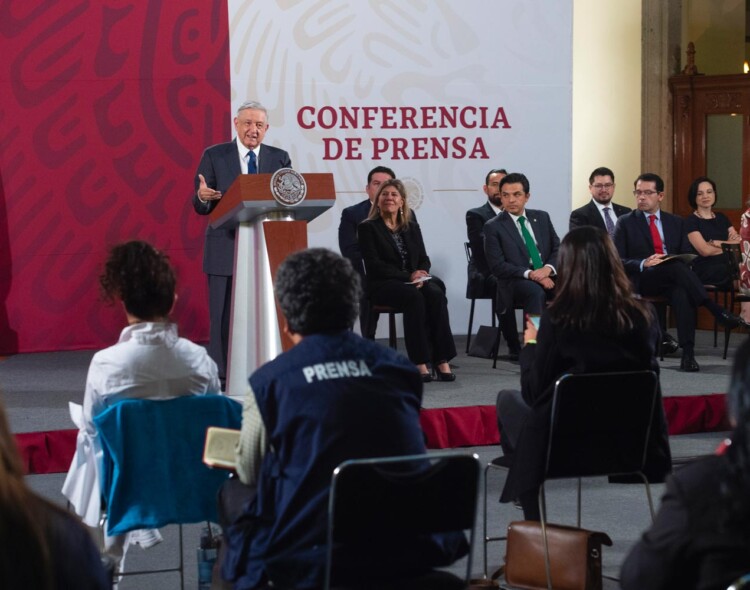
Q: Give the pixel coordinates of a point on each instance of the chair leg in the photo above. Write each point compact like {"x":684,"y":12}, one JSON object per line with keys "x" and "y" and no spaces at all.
{"x":543,"y":519}
{"x":182,"y":562}
{"x":487,"y":538}
{"x":496,"y":348}
{"x":727,"y":333}
{"x":648,"y":496}
{"x":471,"y":323}
{"x":484,"y":524}
{"x":392,"y":342}
{"x":716,"y":322}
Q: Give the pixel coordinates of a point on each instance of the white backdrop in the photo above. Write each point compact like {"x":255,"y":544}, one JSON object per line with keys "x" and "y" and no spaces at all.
{"x":308,"y":60}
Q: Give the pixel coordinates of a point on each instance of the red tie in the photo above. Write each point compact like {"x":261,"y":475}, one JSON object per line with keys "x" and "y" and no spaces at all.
{"x":658,"y":245}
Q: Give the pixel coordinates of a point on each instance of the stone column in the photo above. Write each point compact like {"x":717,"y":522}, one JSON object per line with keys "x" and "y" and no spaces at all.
{"x":661,"y":27}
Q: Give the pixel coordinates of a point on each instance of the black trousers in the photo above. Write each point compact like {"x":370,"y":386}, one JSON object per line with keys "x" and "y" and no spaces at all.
{"x":678,"y":283}
{"x":512,"y":412}
{"x":427,"y":329}
{"x":220,"y":312}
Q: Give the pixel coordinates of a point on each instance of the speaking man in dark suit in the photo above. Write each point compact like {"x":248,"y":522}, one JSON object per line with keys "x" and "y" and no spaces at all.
{"x":642,"y":238}
{"x":218,"y":168}
{"x":481,"y":280}
{"x":521,"y":249}
{"x":351,"y":217}
{"x":600,"y":212}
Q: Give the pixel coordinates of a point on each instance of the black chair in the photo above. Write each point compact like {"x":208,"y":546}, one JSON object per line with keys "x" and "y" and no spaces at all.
{"x":400,"y":497}
{"x":600,"y":426}
{"x":733,"y":257}
{"x":475,"y":289}
{"x":375,"y":311}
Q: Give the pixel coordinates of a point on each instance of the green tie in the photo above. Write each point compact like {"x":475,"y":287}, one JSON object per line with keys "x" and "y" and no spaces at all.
{"x":536,"y":259}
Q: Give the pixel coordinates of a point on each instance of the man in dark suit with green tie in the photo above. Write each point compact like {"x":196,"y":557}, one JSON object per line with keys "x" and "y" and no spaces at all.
{"x":521,"y":248}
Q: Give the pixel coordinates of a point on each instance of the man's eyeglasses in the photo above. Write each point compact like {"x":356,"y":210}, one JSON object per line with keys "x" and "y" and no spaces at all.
{"x":599,"y":187}
{"x":645,"y":193}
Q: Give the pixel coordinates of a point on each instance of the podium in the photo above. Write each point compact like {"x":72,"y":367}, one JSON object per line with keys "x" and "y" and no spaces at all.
{"x":267,"y":231}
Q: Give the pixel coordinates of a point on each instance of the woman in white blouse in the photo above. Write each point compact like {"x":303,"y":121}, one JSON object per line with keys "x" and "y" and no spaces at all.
{"x":149,"y":360}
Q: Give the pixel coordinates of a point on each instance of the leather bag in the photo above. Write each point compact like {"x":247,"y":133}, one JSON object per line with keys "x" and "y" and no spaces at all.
{"x":575,"y":557}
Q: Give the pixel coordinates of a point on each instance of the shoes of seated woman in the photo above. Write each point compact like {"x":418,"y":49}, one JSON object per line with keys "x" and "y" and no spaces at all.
{"x":450,"y":376}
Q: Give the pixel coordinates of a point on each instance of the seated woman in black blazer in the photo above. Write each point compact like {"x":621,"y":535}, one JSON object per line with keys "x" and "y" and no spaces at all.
{"x":593,"y":325}
{"x":398,"y":276}
{"x":700,"y":539}
{"x":707,"y":230}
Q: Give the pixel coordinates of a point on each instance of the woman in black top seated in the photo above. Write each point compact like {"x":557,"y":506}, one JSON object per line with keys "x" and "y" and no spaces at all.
{"x":700,"y":539}
{"x":593,"y":325}
{"x":707,"y":230}
{"x":398,"y":276}
{"x":43,"y":547}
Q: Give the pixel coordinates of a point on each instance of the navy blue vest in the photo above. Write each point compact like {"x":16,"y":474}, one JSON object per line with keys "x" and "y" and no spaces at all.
{"x":330,"y":398}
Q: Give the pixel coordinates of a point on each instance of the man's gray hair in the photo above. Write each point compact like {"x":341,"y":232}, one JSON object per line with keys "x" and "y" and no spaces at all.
{"x":254,"y":105}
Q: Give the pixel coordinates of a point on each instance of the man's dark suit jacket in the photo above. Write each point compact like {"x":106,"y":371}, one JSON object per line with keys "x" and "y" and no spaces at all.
{"x":381,"y":255}
{"x":686,"y":547}
{"x":506,"y":251}
{"x":478,"y":270}
{"x":475,"y":220}
{"x":351,"y":217}
{"x":634,"y":243}
{"x":589,"y":215}
{"x":220,"y":165}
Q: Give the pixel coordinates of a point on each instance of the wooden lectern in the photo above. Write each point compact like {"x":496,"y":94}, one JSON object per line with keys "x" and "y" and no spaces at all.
{"x":267,"y":232}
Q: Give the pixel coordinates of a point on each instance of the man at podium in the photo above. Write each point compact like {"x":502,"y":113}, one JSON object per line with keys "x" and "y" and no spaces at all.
{"x":219,"y":167}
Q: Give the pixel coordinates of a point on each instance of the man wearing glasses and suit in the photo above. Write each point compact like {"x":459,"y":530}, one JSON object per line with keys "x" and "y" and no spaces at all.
{"x":521,"y":249}
{"x":643,"y":237}
{"x":600,"y":212}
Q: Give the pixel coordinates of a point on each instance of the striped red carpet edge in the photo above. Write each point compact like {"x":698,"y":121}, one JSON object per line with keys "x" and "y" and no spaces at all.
{"x":52,"y":451}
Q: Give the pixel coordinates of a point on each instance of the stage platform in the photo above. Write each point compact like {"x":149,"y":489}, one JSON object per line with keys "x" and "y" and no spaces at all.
{"x":36,"y":389}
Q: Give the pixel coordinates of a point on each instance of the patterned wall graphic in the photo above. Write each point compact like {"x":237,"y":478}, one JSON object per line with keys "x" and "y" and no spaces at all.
{"x":106,"y":107}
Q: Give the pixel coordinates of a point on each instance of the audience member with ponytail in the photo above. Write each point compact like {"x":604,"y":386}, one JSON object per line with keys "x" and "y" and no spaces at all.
{"x":701,"y":537}
{"x":43,"y":547}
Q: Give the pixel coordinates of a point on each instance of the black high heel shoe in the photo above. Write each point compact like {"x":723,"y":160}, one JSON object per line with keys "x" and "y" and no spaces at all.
{"x":426,"y":377}
{"x":440,"y":376}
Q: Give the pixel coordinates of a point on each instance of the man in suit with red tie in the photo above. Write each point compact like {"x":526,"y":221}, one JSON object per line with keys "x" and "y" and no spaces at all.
{"x":218,"y":168}
{"x":642,"y":238}
{"x":521,"y":249}
{"x":600,"y":211}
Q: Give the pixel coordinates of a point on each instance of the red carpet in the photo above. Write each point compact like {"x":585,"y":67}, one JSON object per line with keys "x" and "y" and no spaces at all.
{"x":52,"y":451}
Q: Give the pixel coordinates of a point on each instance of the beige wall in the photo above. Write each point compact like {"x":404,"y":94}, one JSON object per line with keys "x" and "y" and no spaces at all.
{"x":717,"y":27}
{"x":606,"y":94}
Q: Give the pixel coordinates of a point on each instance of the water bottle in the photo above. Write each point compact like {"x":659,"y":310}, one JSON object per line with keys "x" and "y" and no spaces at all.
{"x":207,"y":553}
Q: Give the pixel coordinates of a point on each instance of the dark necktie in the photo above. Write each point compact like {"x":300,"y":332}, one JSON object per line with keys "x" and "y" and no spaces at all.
{"x":608,"y":222}
{"x":251,"y":167}
{"x":536,"y":259}
{"x":658,"y":244}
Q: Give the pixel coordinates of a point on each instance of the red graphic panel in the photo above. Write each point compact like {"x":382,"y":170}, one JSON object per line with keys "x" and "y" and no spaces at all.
{"x":105,"y":110}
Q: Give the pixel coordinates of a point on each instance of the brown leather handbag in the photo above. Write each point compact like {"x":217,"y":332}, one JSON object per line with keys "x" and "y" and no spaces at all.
{"x":575,"y":557}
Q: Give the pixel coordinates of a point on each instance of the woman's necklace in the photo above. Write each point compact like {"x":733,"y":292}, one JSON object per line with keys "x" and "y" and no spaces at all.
{"x":711,"y":215}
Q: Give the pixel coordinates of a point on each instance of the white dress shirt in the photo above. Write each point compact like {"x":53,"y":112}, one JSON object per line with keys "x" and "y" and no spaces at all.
{"x":150,"y":360}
